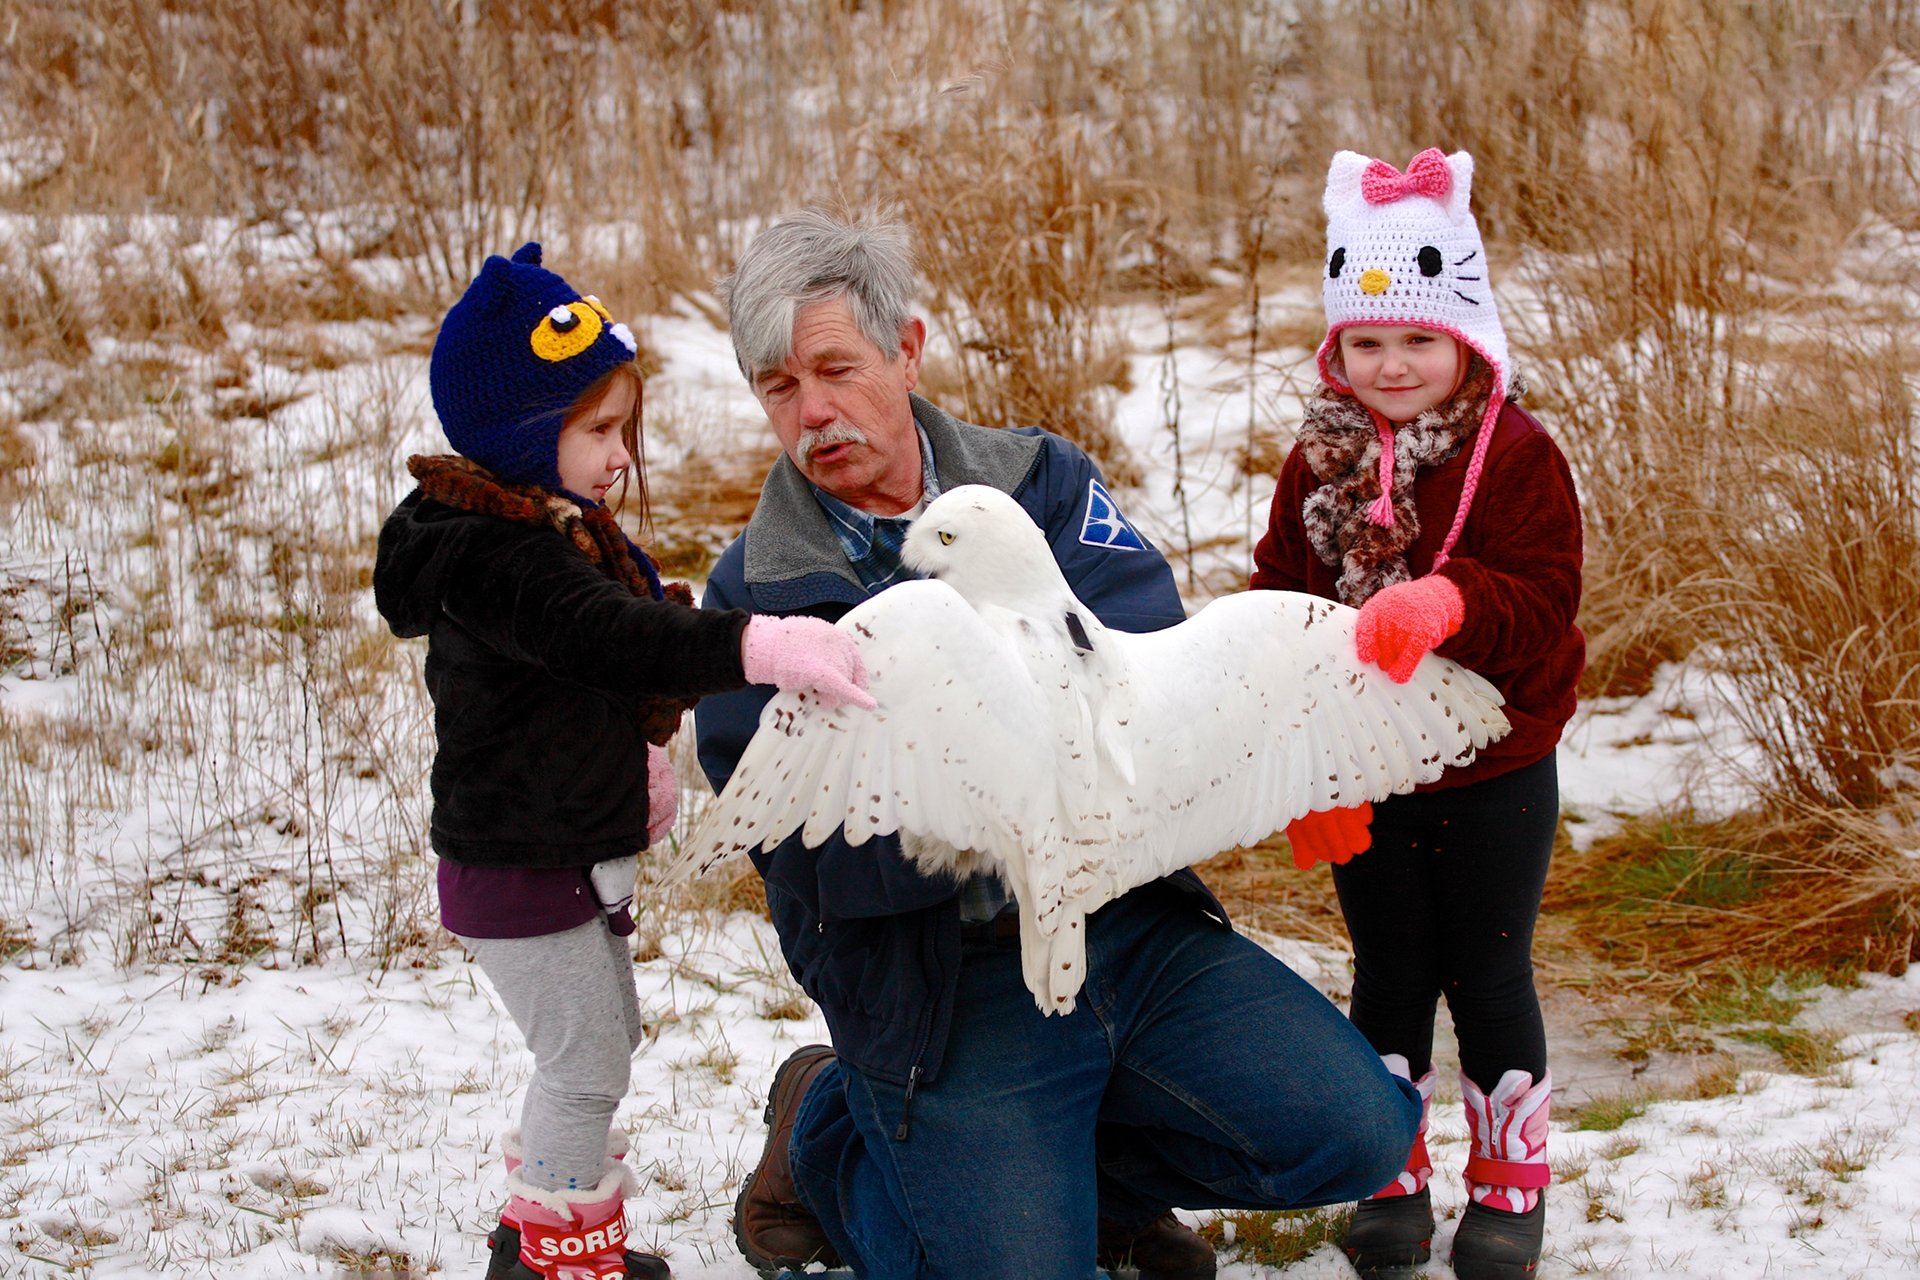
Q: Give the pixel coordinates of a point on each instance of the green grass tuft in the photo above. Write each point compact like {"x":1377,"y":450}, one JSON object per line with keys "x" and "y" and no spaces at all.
{"x":1684,"y":869}
{"x":1604,"y":1115}
{"x":1803,"y":1052}
{"x":1759,"y":994}
{"x":1276,"y":1238}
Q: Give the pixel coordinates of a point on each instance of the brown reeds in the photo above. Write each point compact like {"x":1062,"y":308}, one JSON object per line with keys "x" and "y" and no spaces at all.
{"x":1810,"y":595}
{"x":1678,"y":192}
{"x":1017,"y":251}
{"x":1679,"y":905}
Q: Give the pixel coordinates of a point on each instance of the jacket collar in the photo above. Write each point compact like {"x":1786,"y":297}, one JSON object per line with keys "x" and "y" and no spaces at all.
{"x":790,"y":537}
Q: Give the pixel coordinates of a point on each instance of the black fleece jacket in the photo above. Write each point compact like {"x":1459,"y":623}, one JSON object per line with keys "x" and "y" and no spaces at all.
{"x":538,"y":665}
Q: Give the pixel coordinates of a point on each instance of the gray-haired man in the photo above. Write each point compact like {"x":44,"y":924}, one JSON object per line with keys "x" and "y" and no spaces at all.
{"x":951,"y":1130}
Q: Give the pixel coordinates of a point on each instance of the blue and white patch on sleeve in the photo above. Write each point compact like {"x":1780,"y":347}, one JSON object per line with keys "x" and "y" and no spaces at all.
{"x":1104,"y":526}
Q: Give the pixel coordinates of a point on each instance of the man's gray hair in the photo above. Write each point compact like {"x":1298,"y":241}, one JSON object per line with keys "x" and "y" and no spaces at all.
{"x":813,"y":256}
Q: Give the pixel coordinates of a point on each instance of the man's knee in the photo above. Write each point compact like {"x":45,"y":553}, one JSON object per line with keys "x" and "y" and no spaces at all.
{"x":1384,"y":1123}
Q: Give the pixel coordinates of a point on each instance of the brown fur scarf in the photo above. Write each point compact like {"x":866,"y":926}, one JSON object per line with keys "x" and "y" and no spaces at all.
{"x":1342,"y":448}
{"x":460,"y":483}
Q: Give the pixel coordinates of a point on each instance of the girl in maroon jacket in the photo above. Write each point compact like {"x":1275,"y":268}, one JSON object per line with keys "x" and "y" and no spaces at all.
{"x":1419,"y":492}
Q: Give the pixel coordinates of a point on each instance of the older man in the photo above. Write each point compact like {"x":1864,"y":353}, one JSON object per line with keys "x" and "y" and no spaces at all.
{"x":951,"y":1130}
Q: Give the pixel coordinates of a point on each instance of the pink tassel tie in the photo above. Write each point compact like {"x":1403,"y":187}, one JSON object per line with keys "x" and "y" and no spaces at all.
{"x":1474,"y":466}
{"x":1380,"y":510}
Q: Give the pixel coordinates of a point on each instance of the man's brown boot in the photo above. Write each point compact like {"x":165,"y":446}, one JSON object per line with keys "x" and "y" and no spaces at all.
{"x":1164,"y":1249}
{"x":773,"y":1229}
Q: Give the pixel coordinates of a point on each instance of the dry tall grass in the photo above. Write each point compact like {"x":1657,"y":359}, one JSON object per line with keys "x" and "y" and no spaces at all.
{"x":192,"y":195}
{"x":1018,"y":258}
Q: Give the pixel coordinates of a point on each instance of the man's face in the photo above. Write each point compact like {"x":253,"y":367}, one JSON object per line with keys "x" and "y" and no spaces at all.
{"x":839,"y":407}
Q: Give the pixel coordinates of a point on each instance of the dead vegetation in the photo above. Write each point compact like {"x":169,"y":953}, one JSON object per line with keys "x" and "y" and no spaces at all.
{"x":225,"y":227}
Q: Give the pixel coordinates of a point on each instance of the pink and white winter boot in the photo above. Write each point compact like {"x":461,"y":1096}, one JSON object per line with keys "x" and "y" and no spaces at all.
{"x":1504,"y":1226}
{"x":569,"y":1235}
{"x":1392,"y":1230}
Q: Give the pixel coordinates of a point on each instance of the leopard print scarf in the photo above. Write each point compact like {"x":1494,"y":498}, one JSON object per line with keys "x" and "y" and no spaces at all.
{"x":463,"y":484}
{"x":1342,"y":448}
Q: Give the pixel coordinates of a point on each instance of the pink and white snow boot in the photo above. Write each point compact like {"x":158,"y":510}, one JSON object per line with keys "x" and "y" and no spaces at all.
{"x":569,"y":1235}
{"x":1504,"y":1226}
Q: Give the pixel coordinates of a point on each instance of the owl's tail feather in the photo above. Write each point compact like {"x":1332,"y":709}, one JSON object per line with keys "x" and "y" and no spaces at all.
{"x":1055,"y":967}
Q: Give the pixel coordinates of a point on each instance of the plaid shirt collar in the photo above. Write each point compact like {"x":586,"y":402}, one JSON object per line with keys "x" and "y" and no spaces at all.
{"x":875,"y":553}
{"x":872,"y":544}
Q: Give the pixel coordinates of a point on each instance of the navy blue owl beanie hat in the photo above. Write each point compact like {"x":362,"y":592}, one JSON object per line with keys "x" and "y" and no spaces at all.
{"x":513,"y":355}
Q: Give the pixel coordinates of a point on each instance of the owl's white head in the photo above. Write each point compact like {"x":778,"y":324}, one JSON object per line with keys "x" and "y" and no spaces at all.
{"x":983,"y":544}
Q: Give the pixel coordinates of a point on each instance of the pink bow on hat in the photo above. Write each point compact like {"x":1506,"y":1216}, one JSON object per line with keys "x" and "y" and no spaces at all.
{"x":1426,"y":175}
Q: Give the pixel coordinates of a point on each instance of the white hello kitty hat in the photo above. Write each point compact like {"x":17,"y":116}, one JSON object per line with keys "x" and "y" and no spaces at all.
{"x":1403,"y":248}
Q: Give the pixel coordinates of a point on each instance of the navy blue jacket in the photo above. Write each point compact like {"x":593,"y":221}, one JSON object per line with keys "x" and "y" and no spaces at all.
{"x":874,"y":942}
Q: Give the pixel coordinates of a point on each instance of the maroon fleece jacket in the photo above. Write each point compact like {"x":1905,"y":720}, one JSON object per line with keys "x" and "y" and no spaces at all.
{"x":1517,"y":564}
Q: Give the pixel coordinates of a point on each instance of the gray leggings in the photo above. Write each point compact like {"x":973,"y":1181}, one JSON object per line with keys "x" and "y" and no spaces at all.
{"x":572,"y":996}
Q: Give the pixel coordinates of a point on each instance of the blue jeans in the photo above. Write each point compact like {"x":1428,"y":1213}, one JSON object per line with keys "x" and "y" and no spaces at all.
{"x":1197,"y":1070}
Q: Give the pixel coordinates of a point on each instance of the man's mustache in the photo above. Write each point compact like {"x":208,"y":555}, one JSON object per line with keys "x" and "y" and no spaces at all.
{"x":833,"y":433}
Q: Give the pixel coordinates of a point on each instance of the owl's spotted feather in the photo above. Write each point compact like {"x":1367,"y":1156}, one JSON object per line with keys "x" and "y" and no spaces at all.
{"x":1075,"y":761}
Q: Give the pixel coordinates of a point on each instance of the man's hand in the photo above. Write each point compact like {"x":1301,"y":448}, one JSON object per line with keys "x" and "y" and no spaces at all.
{"x":1331,"y":835}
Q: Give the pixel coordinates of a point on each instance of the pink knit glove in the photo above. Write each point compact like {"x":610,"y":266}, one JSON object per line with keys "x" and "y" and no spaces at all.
{"x":1400,"y":625}
{"x":805,"y":653}
{"x":663,"y":794}
{"x":1331,"y":835}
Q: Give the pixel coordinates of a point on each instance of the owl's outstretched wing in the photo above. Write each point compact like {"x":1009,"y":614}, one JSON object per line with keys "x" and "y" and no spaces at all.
{"x":1082,"y":769}
{"x":959,"y":748}
{"x":1256,"y":711}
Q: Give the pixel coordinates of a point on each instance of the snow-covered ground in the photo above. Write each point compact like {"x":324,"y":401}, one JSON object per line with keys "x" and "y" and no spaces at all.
{"x":268,"y":1119}
{"x":287,"y":1120}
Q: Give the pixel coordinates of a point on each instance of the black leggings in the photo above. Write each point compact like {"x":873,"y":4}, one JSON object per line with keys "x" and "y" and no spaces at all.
{"x":1444,"y":903}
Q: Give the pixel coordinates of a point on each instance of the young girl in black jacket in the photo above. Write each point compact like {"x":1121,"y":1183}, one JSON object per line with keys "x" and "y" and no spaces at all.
{"x":558,"y":664}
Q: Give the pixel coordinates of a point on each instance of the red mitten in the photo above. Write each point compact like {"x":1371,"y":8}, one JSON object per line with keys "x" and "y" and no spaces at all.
{"x":1400,"y":625}
{"x":663,"y":794}
{"x":1330,"y":835}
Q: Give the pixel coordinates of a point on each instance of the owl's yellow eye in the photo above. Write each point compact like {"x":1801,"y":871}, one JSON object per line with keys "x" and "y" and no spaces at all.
{"x":946,"y":539}
{"x":566,"y":331}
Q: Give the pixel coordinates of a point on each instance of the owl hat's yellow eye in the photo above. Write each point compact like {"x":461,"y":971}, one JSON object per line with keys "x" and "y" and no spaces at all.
{"x":566,"y":331}
{"x":599,"y":306}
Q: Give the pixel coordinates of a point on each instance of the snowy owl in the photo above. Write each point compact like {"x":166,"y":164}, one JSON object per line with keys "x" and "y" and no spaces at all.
{"x":1016,"y":734}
